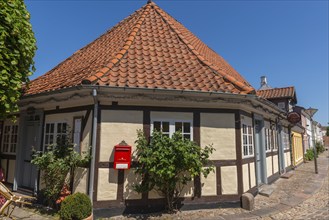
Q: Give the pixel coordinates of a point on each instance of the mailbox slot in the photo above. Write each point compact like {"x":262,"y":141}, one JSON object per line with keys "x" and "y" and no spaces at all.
{"x":122,"y":157}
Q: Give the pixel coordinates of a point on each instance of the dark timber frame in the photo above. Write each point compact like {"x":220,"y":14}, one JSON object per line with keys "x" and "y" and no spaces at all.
{"x":146,"y":128}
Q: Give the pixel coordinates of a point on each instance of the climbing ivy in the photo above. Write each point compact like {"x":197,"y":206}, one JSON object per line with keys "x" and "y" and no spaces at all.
{"x":17,"y":49}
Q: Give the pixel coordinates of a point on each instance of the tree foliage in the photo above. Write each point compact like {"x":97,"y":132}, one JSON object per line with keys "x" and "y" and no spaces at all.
{"x":327,"y":133}
{"x":17,"y":49}
{"x":168,"y":164}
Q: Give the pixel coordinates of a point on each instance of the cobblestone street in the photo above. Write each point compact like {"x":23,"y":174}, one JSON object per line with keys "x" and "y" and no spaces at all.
{"x":305,"y":195}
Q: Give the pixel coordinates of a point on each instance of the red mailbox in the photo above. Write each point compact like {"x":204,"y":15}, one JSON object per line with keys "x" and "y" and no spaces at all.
{"x":122,"y":156}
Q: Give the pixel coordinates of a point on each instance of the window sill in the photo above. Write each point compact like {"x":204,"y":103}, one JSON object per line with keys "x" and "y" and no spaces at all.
{"x":248,"y":156}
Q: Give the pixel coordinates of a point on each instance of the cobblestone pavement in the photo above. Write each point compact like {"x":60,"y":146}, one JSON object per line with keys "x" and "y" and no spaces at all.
{"x":305,"y":195}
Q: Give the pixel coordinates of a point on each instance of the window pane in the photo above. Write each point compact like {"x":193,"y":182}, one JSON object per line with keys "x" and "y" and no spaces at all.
{"x":157,"y":126}
{"x":51,"y":139}
{"x":64,"y":128}
{"x":244,"y":129}
{"x":249,"y":129}
{"x":250,"y":150}
{"x":178,"y":126}
{"x":245,"y":141}
{"x":59,"y":128}
{"x":245,"y":150}
{"x":47,"y":139}
{"x":250,"y":139}
{"x":187,"y":127}
{"x":47,"y":128}
{"x":52,"y":128}
{"x":187,"y":136}
{"x":165,"y":126}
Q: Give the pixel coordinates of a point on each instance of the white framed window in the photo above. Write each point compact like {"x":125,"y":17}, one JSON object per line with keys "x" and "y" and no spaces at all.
{"x":55,"y":133}
{"x":169,"y":127}
{"x":267,"y":140}
{"x":248,"y":142}
{"x":274,"y":139}
{"x":285,"y":140}
{"x":77,"y":123}
{"x":10,"y":138}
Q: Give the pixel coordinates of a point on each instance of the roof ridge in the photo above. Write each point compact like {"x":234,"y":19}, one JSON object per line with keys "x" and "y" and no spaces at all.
{"x":286,"y":87}
{"x":128,"y":42}
{"x":197,"y":54}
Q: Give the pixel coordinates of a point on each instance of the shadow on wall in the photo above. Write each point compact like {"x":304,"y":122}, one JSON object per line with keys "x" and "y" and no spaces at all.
{"x":79,"y":175}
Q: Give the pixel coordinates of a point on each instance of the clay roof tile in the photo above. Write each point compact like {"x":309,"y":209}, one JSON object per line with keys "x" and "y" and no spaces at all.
{"x":148,"y":49}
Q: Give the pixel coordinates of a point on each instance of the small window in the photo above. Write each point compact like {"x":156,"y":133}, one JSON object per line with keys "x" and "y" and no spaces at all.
{"x":10,"y":139}
{"x":282,"y":106}
{"x":77,"y":134}
{"x":162,"y":126}
{"x":274,"y":139}
{"x":248,"y":143}
{"x":55,"y":133}
{"x":169,"y":127}
{"x":285,"y":140}
{"x":267,"y":140}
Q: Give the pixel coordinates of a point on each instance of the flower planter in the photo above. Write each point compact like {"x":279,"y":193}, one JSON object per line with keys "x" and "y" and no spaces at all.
{"x":90,"y":217}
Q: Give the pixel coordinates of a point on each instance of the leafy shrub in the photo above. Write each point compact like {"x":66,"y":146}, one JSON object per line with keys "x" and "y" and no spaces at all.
{"x":319,"y":147}
{"x":55,"y":164}
{"x":309,"y":154}
{"x":167,"y":164}
{"x":75,"y":207}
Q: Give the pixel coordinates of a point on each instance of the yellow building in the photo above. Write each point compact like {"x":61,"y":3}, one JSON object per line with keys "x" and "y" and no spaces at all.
{"x":297,"y":146}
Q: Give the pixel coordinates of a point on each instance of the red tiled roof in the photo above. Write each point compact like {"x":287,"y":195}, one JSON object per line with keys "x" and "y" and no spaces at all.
{"x":287,"y":92}
{"x":148,"y":49}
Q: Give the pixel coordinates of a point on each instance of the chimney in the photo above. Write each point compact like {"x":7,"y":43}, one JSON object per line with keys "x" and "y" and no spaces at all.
{"x":263,"y":81}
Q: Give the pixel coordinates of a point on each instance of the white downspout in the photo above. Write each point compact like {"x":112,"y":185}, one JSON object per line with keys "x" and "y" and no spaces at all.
{"x":93,"y":146}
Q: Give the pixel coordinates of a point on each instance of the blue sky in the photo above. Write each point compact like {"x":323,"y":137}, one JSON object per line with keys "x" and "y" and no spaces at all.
{"x":285,"y":40}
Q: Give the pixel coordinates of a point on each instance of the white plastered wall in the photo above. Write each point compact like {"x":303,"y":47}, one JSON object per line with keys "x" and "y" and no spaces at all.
{"x":275,"y":163}
{"x":245,"y":177}
{"x":172,"y":115}
{"x":80,"y":183}
{"x":188,"y":189}
{"x":107,"y":184}
{"x":287,"y":159}
{"x":229,"y":180}
{"x":218,"y":129}
{"x":129,"y":179}
{"x":252,"y":174}
{"x":209,"y":186}
{"x":11,"y":171}
{"x":269,"y":166}
{"x":116,"y":126}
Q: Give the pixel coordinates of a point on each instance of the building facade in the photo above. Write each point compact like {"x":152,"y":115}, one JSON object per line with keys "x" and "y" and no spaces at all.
{"x":148,"y":72}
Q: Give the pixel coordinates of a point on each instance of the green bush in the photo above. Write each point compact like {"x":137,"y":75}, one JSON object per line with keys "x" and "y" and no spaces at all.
{"x":167,"y":164}
{"x":75,"y":207}
{"x":319,"y":147}
{"x":309,"y":154}
{"x":56,"y":164}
